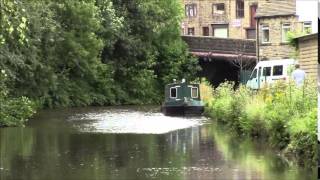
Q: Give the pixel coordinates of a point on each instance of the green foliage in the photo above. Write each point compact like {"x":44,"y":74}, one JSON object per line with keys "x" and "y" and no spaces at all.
{"x":220,"y":105}
{"x":291,"y":35}
{"x":13,"y":23}
{"x":149,"y":51}
{"x":304,"y":137}
{"x":92,"y":52}
{"x":13,"y":111}
{"x":283,"y":113}
{"x":252,"y":120}
{"x":291,"y":38}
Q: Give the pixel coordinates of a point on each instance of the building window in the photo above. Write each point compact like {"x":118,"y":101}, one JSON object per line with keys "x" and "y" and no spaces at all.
{"x":218,"y":9}
{"x":286,"y":27}
{"x":251,"y":33}
{"x":220,"y":30}
{"x":205,"y":31}
{"x":307,"y":27}
{"x":265,"y":34}
{"x":191,"y":10}
{"x":191,"y":31}
{"x":240,"y":8}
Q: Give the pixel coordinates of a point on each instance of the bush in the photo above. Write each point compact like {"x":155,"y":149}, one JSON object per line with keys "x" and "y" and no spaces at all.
{"x":276,"y":117}
{"x":303,"y":137}
{"x":222,"y":103}
{"x":13,"y":111}
{"x":252,"y":120}
{"x":278,"y":113}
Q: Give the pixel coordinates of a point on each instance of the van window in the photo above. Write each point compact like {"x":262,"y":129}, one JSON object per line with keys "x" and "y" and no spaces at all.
{"x":267,"y":71}
{"x":254,"y":74}
{"x":277,"y":70}
{"x":173,"y":92}
{"x":260,"y":72}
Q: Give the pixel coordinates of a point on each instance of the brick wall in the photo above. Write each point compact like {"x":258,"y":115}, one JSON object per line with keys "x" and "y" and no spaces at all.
{"x":308,"y":54}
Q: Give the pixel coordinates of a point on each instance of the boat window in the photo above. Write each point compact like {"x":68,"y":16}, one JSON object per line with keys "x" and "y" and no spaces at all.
{"x":277,"y":70}
{"x":173,"y":92}
{"x":194,"y":92}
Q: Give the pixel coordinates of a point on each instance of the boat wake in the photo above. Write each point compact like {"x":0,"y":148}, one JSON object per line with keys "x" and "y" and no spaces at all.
{"x":133,"y":122}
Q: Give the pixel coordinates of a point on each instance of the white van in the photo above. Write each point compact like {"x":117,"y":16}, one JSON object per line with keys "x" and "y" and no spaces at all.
{"x":267,"y":72}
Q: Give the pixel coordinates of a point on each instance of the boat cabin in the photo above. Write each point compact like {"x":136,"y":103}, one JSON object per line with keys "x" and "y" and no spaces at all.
{"x":180,"y":91}
{"x":182,"y":98}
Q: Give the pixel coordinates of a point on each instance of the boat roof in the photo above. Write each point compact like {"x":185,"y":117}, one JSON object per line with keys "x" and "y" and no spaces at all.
{"x":178,"y":83}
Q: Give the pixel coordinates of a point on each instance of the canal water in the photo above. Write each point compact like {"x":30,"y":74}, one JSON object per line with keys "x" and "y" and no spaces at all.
{"x":135,"y":143}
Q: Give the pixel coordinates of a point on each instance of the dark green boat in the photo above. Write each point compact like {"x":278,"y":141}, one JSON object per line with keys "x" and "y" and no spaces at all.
{"x":182,"y":99}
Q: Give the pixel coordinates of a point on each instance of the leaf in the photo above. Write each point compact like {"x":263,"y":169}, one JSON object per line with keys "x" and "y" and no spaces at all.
{"x":24,"y":20}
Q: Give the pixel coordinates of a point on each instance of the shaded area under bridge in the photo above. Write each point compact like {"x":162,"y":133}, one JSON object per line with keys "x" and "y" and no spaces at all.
{"x":223,"y":58}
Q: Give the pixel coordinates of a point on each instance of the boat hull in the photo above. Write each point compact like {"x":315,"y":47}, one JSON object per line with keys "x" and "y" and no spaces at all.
{"x":182,"y":110}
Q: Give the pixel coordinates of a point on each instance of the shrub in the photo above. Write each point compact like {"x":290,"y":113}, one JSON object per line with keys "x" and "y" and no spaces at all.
{"x":13,"y":111}
{"x":252,"y":121}
{"x":303,"y":135}
{"x":221,"y":103}
{"x":278,"y":112}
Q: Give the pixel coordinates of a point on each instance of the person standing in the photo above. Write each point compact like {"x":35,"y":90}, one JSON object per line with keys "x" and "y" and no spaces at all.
{"x":298,"y":75}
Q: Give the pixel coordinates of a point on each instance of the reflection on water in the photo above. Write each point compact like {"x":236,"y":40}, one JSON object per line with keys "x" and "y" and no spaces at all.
{"x":57,"y":145}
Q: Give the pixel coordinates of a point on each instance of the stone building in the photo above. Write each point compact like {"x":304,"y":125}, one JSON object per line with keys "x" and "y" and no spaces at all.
{"x":307,"y":47}
{"x":220,"y":18}
{"x":275,"y":18}
{"x":266,"y":21}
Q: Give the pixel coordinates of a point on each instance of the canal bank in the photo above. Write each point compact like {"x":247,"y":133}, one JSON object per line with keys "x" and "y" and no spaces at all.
{"x":284,"y":116}
{"x":99,"y":143}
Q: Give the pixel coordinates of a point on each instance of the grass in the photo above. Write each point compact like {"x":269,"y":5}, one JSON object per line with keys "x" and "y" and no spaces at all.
{"x":284,"y":114}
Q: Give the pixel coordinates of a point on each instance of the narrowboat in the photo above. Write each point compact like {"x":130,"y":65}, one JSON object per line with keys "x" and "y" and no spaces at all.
{"x":182,"y":98}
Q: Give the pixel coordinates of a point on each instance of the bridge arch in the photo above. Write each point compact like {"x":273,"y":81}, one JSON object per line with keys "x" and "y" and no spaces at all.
{"x":222,"y":59}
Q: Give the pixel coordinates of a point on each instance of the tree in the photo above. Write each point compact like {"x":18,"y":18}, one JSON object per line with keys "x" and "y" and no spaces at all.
{"x":92,"y":52}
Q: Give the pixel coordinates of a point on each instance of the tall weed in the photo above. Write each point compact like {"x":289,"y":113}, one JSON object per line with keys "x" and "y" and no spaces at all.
{"x":283,"y":112}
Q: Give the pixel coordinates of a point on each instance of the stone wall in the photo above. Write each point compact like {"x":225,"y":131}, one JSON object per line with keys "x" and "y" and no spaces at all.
{"x":240,"y":31}
{"x":205,"y":17}
{"x":308,"y":54}
{"x":221,"y":45}
{"x":276,"y":49}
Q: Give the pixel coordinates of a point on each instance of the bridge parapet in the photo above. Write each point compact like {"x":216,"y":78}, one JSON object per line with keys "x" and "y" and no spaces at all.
{"x":225,"y":48}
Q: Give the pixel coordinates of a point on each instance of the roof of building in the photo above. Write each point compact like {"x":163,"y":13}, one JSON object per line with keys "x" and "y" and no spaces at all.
{"x":308,"y":36}
{"x":271,"y":8}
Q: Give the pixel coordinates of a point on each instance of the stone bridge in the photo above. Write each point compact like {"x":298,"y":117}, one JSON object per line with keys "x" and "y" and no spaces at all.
{"x":221,"y":48}
{"x":223,"y":59}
